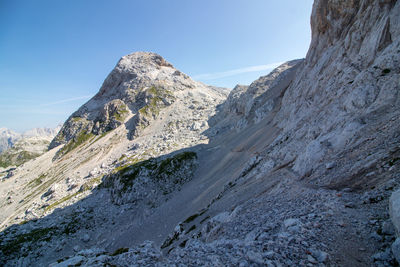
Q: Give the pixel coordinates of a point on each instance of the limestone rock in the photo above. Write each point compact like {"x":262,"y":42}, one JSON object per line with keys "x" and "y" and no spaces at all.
{"x":394,"y":210}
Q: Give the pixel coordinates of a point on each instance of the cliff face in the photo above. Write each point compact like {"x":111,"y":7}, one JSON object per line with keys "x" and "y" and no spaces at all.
{"x":349,"y":82}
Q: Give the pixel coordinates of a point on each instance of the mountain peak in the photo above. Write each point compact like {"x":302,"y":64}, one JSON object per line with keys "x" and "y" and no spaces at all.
{"x":136,"y":90}
{"x":142,"y":59}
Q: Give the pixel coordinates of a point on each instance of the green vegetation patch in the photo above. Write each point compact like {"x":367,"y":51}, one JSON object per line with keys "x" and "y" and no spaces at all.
{"x":171,"y":165}
{"x":81,"y":138}
{"x":121,"y":113}
{"x":37,"y":181}
{"x":88,"y":185}
{"x":194,"y":216}
{"x":60,"y":201}
{"x":157,"y":101}
{"x":393,"y":161}
{"x":14,"y":245}
{"x":14,"y":157}
{"x":127,"y":174}
{"x":158,"y":169}
{"x":170,"y":240}
{"x":152,"y":109}
{"x":119,"y":251}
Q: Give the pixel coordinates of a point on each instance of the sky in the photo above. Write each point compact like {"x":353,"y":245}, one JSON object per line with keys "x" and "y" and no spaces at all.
{"x":55,"y":54}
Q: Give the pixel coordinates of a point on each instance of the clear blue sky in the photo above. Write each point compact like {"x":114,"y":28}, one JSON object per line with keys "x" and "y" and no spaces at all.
{"x":55,"y":54}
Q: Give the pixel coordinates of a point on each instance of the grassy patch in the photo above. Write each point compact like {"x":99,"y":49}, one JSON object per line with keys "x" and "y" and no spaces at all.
{"x":14,"y":245}
{"x":101,"y":136}
{"x":58,"y":202}
{"x":157,"y":97}
{"x":171,"y":165}
{"x":191,"y":218}
{"x":76,"y":119}
{"x":119,"y":251}
{"x":194,"y":216}
{"x":88,"y":185}
{"x":37,"y":181}
{"x":14,"y":157}
{"x":72,"y":226}
{"x":193,"y":227}
{"x":129,"y":173}
{"x":81,"y":138}
{"x":167,"y":168}
{"x":152,"y":109}
{"x":183,"y":243}
{"x":121,"y":113}
{"x":170,"y":240}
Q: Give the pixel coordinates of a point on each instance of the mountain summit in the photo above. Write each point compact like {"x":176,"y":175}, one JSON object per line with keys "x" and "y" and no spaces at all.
{"x":135,"y":92}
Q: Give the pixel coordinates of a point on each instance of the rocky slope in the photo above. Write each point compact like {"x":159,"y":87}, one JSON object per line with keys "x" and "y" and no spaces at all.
{"x":295,"y":169}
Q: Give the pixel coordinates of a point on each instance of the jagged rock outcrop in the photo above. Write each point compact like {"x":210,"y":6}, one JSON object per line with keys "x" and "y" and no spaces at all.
{"x":150,"y":181}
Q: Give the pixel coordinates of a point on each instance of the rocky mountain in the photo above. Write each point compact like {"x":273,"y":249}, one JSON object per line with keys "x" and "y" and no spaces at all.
{"x":42,"y":132}
{"x":299,"y":168}
{"x":7,"y":138}
{"x":136,"y":92}
{"x":26,"y":146}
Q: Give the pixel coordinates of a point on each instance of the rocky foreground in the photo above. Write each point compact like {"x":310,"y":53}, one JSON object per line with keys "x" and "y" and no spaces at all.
{"x":299,"y":168}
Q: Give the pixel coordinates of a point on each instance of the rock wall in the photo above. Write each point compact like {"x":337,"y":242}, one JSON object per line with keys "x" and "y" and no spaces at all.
{"x":350,"y":80}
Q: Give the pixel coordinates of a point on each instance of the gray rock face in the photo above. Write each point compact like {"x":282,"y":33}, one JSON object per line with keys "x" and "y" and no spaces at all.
{"x":349,"y":79}
{"x":394,"y":210}
{"x":250,"y":104}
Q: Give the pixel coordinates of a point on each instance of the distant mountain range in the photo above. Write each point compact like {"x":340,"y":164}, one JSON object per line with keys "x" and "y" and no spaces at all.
{"x":9,"y":137}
